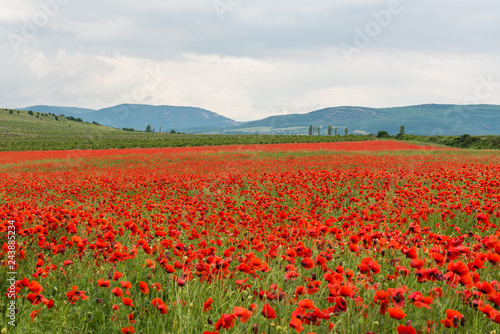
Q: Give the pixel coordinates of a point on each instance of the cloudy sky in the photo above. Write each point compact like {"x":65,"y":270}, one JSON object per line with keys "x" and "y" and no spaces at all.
{"x":248,"y":59}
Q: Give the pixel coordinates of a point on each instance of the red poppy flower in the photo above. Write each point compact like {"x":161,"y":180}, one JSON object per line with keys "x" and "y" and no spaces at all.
{"x":453,"y":318}
{"x":242,"y":313}
{"x":35,"y":287}
{"x":144,"y":287}
{"x":74,"y":295}
{"x":34,"y":313}
{"x":103,"y":283}
{"x":117,"y":292}
{"x":207,"y":305}
{"x":117,"y":275}
{"x":128,"y":302}
{"x":458,"y":268}
{"x":406,"y":329}
{"x":396,"y":313}
{"x":128,"y":329}
{"x":296,"y":324}
{"x":367,"y":265}
{"x":160,"y":305}
{"x":307,"y":263}
{"x":485,"y":288}
{"x":126,"y":284}
{"x":268,"y":312}
{"x":226,"y":321}
{"x":306,"y":303}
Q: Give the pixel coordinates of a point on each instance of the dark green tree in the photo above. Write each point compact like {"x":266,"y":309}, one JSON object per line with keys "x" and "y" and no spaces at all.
{"x":346,"y":130}
{"x":148,"y":128}
{"x":330,"y":130}
{"x":383,"y":134}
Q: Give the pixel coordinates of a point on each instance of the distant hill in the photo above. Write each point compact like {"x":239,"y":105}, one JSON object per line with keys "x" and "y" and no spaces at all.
{"x":428,"y":119}
{"x":138,"y":116}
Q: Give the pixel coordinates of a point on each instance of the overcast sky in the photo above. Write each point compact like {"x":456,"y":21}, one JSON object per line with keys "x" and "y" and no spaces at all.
{"x":248,"y":59}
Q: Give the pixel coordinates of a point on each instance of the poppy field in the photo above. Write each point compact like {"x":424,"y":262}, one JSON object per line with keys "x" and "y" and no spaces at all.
{"x":353,"y":237}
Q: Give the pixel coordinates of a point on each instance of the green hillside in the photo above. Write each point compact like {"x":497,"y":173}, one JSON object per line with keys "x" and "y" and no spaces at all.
{"x":426,"y":120}
{"x":138,"y":116}
{"x":38,"y":131}
{"x":21,"y":131}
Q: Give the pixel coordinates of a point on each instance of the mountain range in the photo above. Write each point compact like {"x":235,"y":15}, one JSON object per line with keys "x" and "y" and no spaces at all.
{"x":426,"y":119}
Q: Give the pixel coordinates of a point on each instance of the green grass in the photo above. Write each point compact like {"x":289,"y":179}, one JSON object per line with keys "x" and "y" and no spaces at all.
{"x":20,"y":131}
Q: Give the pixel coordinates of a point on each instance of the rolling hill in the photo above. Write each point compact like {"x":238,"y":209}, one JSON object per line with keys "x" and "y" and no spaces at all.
{"x":427,"y":119}
{"x":139,"y":116}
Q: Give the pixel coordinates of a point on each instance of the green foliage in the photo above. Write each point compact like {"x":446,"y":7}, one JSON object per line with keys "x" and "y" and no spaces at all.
{"x":20,"y":131}
{"x":383,"y":134}
{"x":71,"y":118}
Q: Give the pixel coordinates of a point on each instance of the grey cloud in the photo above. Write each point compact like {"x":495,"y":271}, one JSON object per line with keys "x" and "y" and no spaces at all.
{"x":267,"y":56}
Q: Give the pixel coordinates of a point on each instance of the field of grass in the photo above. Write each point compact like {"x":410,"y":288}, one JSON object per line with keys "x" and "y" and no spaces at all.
{"x":21,"y":132}
{"x":383,"y":237}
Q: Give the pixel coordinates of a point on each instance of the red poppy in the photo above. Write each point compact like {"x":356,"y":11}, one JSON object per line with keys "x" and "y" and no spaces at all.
{"x":103,"y":283}
{"x":306,"y":303}
{"x":268,"y":312}
{"x":35,"y":287}
{"x":144,"y":287}
{"x":74,"y":295}
{"x":128,"y":302}
{"x":367,"y":265}
{"x":126,"y":284}
{"x":34,"y":313}
{"x":396,"y":313}
{"x":226,"y":321}
{"x":160,"y":305}
{"x":307,"y":263}
{"x":406,"y":329}
{"x":128,"y":329}
{"x":117,"y":275}
{"x":242,"y":313}
{"x":459,"y":268}
{"x":453,"y":318}
{"x":485,"y":288}
{"x":207,"y":305}
{"x":117,"y":292}
{"x":296,"y":324}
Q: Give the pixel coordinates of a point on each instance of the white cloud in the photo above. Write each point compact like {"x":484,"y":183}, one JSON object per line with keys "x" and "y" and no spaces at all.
{"x":265,"y":58}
